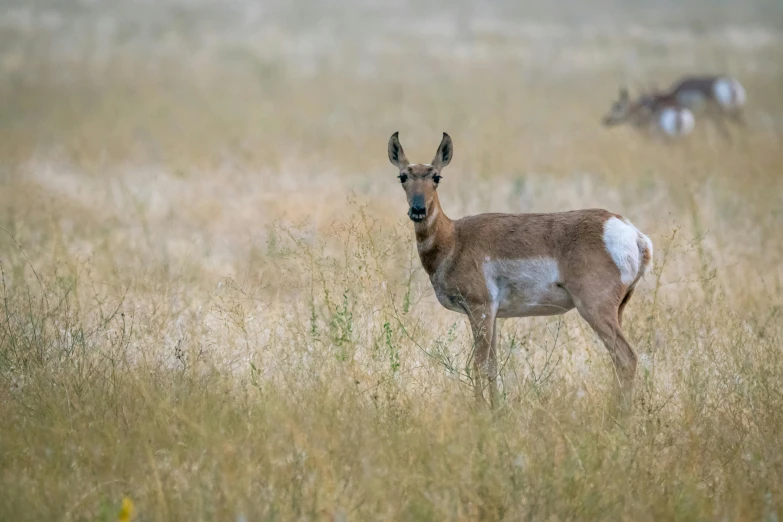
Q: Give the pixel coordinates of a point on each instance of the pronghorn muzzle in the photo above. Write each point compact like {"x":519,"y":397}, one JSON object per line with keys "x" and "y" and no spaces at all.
{"x":418,"y":210}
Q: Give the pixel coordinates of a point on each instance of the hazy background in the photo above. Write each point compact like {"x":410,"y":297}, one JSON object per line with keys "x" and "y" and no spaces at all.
{"x":212,"y":301}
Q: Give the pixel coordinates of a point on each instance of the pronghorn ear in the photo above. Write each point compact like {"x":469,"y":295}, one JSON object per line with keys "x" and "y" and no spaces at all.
{"x":444,"y":154}
{"x":396,"y":154}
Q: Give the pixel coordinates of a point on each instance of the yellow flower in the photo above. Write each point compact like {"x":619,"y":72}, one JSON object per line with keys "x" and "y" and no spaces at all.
{"x":126,"y":511}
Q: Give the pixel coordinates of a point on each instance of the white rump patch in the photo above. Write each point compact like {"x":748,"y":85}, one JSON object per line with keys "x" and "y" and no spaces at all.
{"x":729,"y":93}
{"x":622,"y":241}
{"x":645,"y":242}
{"x":741,"y":97}
{"x":526,"y":287}
{"x":676,"y":122}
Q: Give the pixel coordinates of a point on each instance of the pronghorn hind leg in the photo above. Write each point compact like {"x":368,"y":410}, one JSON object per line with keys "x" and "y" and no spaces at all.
{"x":723,"y":128}
{"x":604,"y":319}
{"x":719,"y":119}
{"x":624,"y":302}
{"x":492,"y":366}
{"x":738,"y":117}
{"x":482,"y":324}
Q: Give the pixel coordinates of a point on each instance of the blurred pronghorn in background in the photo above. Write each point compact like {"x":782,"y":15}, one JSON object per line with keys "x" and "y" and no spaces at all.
{"x":715,"y":95}
{"x":650,"y":113}
{"x":672,"y":112}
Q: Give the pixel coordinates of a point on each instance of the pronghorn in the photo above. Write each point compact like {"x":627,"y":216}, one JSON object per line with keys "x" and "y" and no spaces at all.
{"x":651,"y":113}
{"x":520,"y":265}
{"x":718,"y":97}
{"x":719,"y":94}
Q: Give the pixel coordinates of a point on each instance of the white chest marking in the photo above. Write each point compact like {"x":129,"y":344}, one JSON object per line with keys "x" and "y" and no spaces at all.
{"x":525,"y":287}
{"x":439,"y":285}
{"x":426,"y":245}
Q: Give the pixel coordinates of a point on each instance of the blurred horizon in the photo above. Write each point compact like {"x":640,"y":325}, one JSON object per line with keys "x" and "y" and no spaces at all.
{"x":209,"y":278}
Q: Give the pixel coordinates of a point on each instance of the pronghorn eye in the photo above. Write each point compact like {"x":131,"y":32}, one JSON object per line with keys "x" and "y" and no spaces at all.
{"x":403,"y":178}
{"x":436,"y":178}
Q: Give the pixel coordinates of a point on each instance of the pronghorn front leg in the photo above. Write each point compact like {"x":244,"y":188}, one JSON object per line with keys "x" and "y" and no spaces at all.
{"x":482,"y":323}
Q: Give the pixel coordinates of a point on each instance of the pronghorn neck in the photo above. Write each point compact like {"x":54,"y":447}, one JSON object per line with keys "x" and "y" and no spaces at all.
{"x":434,"y":237}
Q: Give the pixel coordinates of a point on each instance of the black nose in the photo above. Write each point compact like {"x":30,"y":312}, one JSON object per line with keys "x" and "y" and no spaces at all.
{"x":418,"y":209}
{"x":417,"y":213}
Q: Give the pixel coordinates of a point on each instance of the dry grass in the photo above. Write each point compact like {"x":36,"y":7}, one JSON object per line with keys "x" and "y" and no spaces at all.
{"x":210,"y":296}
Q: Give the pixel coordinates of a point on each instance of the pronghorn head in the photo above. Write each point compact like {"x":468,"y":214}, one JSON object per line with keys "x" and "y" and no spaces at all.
{"x":420,"y":181}
{"x":621,"y":110}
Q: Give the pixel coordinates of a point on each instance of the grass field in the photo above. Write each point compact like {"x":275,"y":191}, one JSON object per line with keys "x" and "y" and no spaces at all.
{"x":212,"y":303}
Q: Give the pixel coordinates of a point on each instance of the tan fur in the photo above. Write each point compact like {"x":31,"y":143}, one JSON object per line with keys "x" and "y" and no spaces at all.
{"x":642,"y":113}
{"x":704,"y":86}
{"x":685,"y":93}
{"x":453,"y":253}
